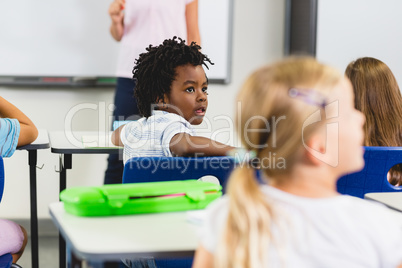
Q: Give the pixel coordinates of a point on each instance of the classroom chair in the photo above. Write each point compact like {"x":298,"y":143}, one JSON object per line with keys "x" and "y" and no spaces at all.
{"x":6,"y":260}
{"x":373,"y":177}
{"x":151,"y":169}
{"x":1,"y":178}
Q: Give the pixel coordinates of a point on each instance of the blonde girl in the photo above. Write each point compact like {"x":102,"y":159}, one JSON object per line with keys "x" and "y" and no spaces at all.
{"x":298,"y":117}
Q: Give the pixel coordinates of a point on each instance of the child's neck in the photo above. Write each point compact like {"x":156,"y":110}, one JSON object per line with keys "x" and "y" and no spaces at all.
{"x":308,"y":181}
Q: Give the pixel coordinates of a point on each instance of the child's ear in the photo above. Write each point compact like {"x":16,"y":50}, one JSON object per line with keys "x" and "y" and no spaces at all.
{"x":322,"y":147}
{"x":163,"y":100}
{"x":315,"y":149}
{"x":162,"y":103}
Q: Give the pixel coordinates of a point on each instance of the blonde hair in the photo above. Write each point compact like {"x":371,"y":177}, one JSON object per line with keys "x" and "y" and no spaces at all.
{"x":378,"y":97}
{"x":265,"y":95}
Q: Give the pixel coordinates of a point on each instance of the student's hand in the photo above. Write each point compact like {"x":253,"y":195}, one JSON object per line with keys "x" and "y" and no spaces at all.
{"x":116,"y":11}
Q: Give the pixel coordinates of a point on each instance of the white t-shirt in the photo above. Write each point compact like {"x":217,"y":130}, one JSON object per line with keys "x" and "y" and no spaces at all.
{"x":151,"y":136}
{"x":149,"y":22}
{"x":342,"y":231}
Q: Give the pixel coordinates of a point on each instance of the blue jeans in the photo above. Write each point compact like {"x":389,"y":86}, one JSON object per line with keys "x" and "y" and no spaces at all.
{"x":126,"y":108}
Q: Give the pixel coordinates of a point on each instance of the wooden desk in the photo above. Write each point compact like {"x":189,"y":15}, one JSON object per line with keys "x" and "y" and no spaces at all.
{"x":67,"y":144}
{"x":126,"y":237}
{"x":392,"y":200}
{"x":41,"y":142}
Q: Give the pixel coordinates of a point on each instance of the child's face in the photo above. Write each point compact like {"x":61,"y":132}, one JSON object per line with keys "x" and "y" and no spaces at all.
{"x":188,"y":94}
{"x":351,"y":134}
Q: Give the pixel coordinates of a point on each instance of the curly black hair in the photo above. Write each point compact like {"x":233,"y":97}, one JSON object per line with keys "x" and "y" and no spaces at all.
{"x":155,"y":70}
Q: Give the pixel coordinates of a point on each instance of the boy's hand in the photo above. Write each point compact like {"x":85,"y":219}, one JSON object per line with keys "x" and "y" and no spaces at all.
{"x":116,"y":11}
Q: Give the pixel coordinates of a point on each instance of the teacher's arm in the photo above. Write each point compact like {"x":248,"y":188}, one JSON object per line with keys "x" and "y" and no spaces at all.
{"x":193,"y":32}
{"x":117,"y":15}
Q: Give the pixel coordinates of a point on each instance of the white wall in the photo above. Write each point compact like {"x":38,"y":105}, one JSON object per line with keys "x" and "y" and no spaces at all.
{"x":258,"y":34}
{"x":366,"y":28}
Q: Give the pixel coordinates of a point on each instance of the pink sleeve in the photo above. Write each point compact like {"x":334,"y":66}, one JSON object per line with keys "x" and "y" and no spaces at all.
{"x":11,"y":236}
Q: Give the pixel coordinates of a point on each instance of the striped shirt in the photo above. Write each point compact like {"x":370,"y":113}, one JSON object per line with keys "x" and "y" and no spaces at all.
{"x":151,"y":136}
{"x":9,"y":133}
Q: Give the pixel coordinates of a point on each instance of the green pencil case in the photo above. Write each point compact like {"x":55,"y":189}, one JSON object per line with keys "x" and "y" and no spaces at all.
{"x":136,"y":198}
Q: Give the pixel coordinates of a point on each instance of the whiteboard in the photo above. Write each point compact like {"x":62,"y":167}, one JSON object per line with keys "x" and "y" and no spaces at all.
{"x":349,"y":29}
{"x":68,"y":42}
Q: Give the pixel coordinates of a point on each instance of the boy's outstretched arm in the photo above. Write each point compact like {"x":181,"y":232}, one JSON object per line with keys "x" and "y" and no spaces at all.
{"x":28,"y":131}
{"x":183,"y":144}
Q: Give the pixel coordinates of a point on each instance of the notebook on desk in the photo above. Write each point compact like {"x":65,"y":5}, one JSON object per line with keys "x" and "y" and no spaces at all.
{"x":98,"y":141}
{"x":392,"y":200}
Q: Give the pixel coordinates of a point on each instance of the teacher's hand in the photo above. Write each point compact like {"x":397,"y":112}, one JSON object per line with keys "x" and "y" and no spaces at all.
{"x":116,"y":11}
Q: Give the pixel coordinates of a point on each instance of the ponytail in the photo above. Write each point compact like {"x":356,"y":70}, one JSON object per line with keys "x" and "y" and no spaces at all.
{"x":244,"y":242}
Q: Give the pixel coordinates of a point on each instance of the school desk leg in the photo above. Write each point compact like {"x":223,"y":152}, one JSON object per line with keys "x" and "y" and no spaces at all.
{"x":32,"y":159}
{"x":65,"y":163}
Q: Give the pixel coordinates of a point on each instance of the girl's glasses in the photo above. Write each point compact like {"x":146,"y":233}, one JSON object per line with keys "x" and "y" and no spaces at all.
{"x":309,"y":96}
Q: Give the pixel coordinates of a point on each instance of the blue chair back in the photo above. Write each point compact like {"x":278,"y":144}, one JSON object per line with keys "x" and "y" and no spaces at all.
{"x":6,"y":260}
{"x":1,"y":178}
{"x":151,"y":169}
{"x":373,"y":177}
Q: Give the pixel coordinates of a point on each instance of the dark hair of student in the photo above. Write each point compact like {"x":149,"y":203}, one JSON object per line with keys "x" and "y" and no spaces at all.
{"x":378,"y":97}
{"x":155,"y":70}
